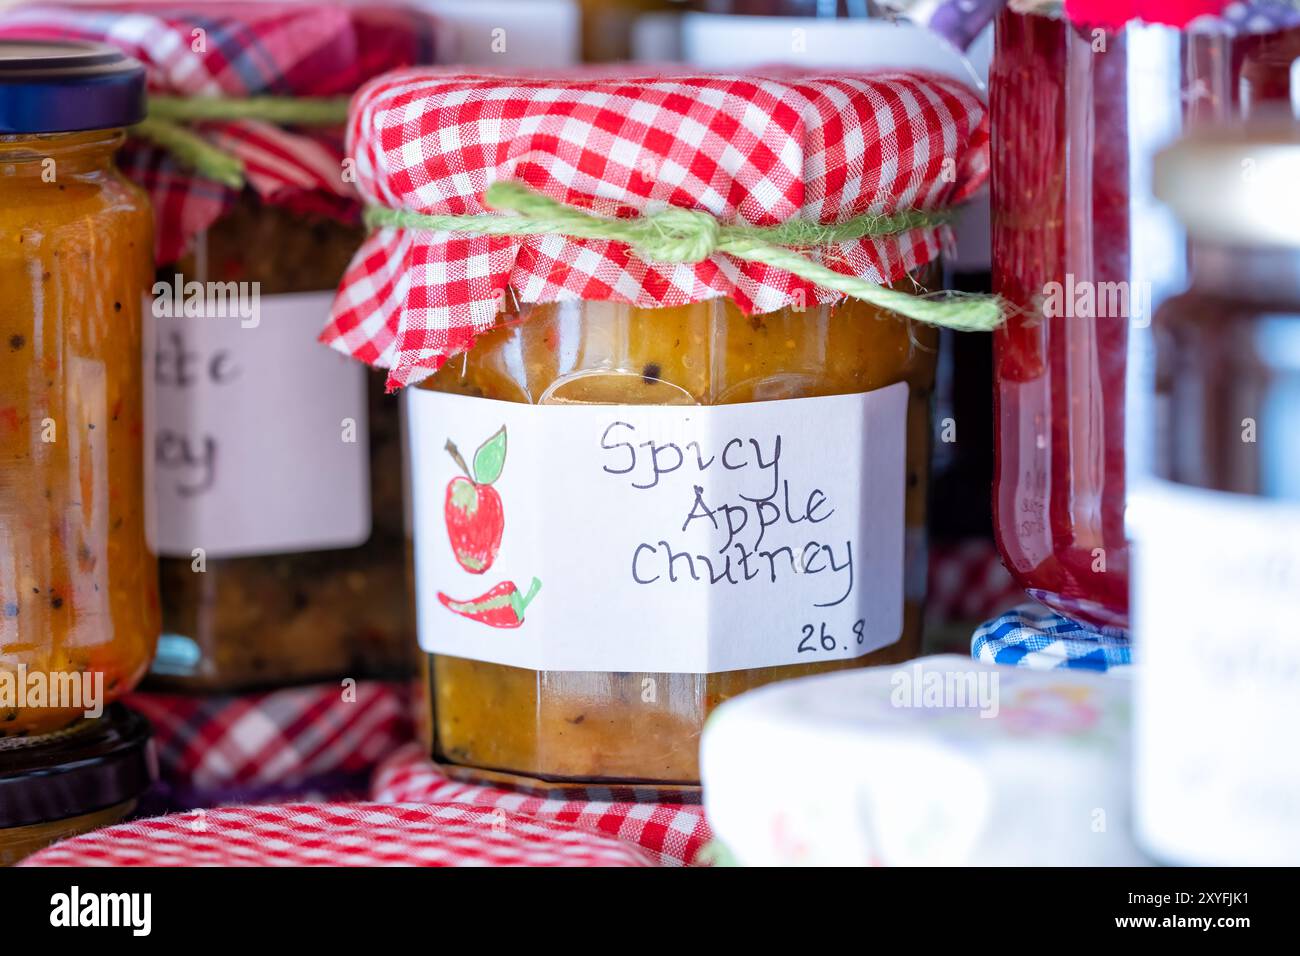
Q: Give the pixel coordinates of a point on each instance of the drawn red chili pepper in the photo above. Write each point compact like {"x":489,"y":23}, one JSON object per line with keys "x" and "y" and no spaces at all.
{"x":503,"y":606}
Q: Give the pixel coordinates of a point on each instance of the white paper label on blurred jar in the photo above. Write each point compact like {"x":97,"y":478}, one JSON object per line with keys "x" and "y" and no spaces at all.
{"x":724,"y":42}
{"x":659,"y":538}
{"x":507,"y":33}
{"x":258,"y":433}
{"x":1216,"y":618}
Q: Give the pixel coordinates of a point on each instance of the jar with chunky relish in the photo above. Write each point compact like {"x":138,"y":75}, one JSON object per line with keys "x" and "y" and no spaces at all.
{"x":1083,"y":253}
{"x":649,"y":474}
{"x":278,"y":472}
{"x":1216,"y":531}
{"x":645,"y":725}
{"x":78,"y":580}
{"x":275,"y":464}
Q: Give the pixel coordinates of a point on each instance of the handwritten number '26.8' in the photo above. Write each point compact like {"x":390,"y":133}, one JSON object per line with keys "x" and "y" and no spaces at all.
{"x":813,"y":637}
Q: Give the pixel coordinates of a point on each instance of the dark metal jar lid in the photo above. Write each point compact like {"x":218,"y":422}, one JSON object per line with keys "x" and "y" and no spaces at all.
{"x":108,"y":763}
{"x":64,"y":86}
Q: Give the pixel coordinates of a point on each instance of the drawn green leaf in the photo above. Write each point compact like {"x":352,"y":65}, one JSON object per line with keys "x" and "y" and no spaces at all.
{"x":520,"y":602}
{"x":490,"y":458}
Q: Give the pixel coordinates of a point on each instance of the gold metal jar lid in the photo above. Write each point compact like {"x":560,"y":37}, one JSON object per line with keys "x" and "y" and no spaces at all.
{"x":1236,"y":185}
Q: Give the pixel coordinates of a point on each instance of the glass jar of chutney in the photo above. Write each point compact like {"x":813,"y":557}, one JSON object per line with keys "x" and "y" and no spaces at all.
{"x":79,"y":614}
{"x":646,"y":479}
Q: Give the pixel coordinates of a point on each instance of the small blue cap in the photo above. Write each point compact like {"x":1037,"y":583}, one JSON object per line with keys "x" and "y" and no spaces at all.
{"x":57,"y":86}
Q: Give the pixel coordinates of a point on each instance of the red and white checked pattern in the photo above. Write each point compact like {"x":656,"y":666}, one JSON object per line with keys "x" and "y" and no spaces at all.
{"x":238,"y":50}
{"x":968,"y":582}
{"x":671,"y":833}
{"x":747,"y":149}
{"x":342,"y":834}
{"x":231,"y":747}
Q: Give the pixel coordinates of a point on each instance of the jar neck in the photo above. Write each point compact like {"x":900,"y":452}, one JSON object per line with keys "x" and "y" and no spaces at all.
{"x":46,"y":154}
{"x":1260,"y":274}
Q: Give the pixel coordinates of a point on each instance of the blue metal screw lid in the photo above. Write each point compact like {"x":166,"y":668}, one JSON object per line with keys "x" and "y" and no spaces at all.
{"x":58,"y":86}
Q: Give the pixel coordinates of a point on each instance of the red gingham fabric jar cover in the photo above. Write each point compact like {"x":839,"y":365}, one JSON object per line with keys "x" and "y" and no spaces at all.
{"x":671,"y":834}
{"x":236,"y":50}
{"x":747,"y":149}
{"x":341,"y":834}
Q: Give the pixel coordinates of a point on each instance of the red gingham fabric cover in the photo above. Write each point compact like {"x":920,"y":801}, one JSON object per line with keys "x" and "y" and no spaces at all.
{"x":758,"y":150}
{"x":968,"y":582}
{"x":341,"y":834}
{"x":672,"y":834}
{"x":280,"y":744}
{"x":244,"y":49}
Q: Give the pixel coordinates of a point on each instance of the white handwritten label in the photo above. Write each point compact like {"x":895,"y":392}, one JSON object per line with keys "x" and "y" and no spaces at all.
{"x":1216,"y":626}
{"x":251,"y":450}
{"x":673,"y":539}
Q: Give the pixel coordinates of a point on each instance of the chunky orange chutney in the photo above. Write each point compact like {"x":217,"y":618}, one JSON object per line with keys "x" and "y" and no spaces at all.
{"x":273,"y":619}
{"x":78,"y":582}
{"x":598,"y":726}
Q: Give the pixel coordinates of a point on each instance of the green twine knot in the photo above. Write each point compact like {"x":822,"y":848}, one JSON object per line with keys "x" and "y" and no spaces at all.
{"x":677,"y":235}
{"x":687,"y":236}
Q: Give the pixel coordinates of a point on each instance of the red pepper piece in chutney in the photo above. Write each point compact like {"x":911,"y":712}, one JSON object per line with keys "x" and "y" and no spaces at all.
{"x":503,"y":606}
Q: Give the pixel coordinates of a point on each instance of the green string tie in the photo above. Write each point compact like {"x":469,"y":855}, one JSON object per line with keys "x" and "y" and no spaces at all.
{"x":168,"y":116}
{"x":676,"y":235}
{"x":670,"y":235}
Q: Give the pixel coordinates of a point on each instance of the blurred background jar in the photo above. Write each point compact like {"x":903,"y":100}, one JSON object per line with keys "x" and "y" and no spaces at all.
{"x":78,"y":579}
{"x":1083,"y":251}
{"x":815,"y":34}
{"x":277,"y":471}
{"x":516,"y":34}
{"x":616,"y":31}
{"x":1216,"y":532}
{"x":278,"y":462}
{"x":275,"y":463}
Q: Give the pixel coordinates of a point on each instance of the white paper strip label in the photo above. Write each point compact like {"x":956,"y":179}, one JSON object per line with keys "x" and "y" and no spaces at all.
{"x":668,"y":539}
{"x":1216,"y":625}
{"x":260,"y":441}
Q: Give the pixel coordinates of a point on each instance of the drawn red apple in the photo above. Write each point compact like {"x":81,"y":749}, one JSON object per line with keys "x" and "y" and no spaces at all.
{"x":475,"y":516}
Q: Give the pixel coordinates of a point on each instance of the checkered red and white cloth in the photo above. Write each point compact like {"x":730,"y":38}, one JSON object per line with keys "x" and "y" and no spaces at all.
{"x":275,"y":745}
{"x":756,"y":150}
{"x":418,"y":817}
{"x":672,"y":834}
{"x":342,"y":834}
{"x":237,"y":50}
{"x":968,"y":582}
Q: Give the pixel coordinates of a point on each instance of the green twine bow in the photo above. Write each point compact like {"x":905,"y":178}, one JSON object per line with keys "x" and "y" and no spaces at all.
{"x":677,"y":235}
{"x":168,"y":115}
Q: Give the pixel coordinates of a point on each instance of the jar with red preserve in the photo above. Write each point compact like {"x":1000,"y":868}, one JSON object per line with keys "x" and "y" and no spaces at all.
{"x":649,"y":473}
{"x":1083,"y":253}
